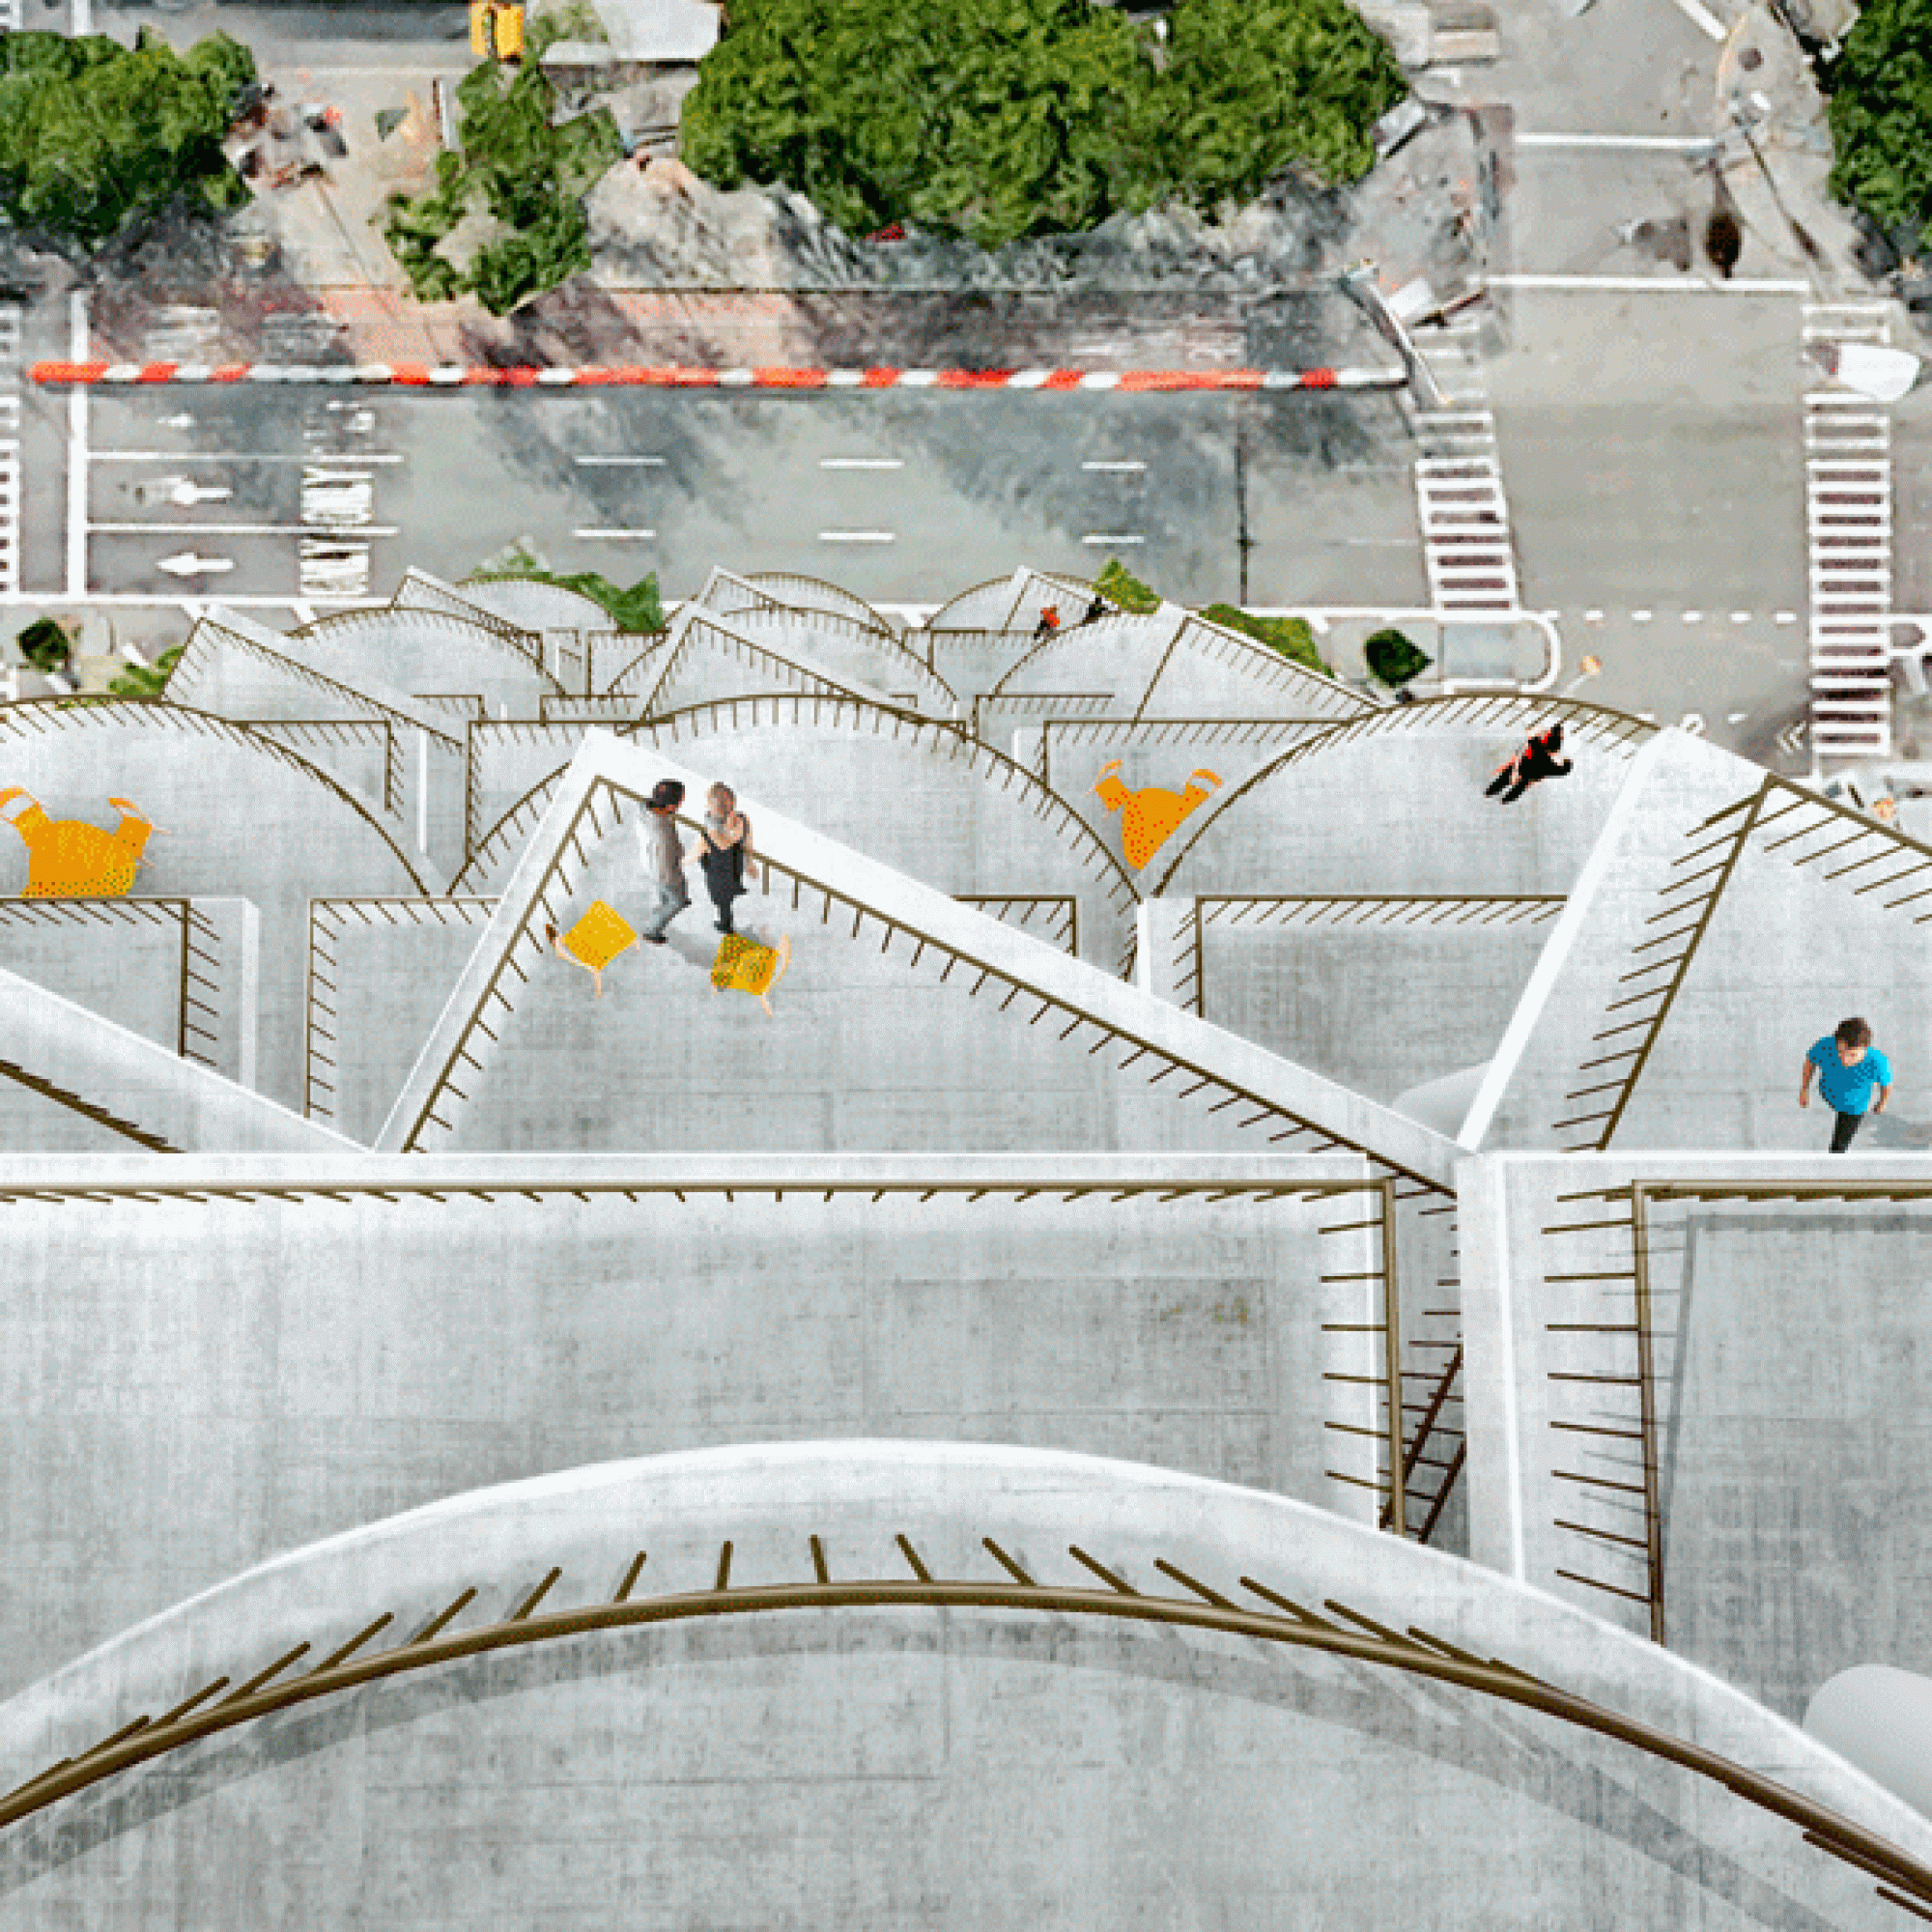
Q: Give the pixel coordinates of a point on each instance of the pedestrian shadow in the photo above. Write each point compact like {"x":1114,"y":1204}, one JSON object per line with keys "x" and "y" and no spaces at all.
{"x":1891,"y":1132}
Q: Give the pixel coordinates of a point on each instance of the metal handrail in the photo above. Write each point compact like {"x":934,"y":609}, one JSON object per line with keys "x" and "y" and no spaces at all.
{"x":1488,"y":708}
{"x":1140,"y":733}
{"x":518,"y":641}
{"x":346,"y":730}
{"x":854,"y":605}
{"x":1285,"y":1622}
{"x":819,"y":711}
{"x":899,"y":656}
{"x":525,"y":641}
{"x":747,"y":650}
{"x":770,"y":869}
{"x":162,"y":712}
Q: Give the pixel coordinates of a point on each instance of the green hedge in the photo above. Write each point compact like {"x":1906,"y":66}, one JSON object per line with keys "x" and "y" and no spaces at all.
{"x":1394,"y":658}
{"x":1120,"y":587}
{"x":995,"y":119}
{"x":1291,"y":636}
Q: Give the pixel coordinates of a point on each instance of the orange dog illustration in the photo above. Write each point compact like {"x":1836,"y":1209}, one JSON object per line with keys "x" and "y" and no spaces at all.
{"x":1151,"y":814}
{"x":69,"y":859}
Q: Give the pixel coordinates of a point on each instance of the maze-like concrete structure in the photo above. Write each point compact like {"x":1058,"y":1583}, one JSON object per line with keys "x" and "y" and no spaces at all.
{"x":1239,"y":1348}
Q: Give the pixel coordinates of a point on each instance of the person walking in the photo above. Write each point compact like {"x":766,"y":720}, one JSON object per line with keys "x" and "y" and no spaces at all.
{"x":723,"y":851}
{"x":1096,"y":611}
{"x":663,"y":855}
{"x":1849,"y":1069}
{"x":1049,"y":621}
{"x":1536,"y":761}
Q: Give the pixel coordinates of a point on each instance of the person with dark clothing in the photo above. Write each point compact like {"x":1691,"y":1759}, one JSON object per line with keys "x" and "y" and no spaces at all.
{"x":1536,"y":761}
{"x":723,"y":851}
{"x":663,"y":858}
{"x":1096,"y":611}
{"x":1850,"y":1072}
{"x":1049,"y":621}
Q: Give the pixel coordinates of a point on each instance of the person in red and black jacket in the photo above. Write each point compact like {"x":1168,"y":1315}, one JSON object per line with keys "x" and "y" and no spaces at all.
{"x":1536,"y":761}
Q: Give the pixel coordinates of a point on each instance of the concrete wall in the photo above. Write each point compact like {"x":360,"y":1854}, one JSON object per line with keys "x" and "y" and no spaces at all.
{"x":422,"y":651}
{"x":239,"y":818}
{"x":898,"y":1767}
{"x":1793,"y":1466}
{"x":193,"y":1387}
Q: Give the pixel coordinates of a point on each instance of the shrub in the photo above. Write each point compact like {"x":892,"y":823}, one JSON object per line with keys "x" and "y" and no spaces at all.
{"x":638,"y":608}
{"x":1291,"y":636}
{"x":1119,"y":586}
{"x":1394,"y":658}
{"x":147,"y":680}
{"x":44,"y":645}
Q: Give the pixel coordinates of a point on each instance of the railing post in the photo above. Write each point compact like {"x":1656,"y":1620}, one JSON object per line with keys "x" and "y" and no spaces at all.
{"x":1653,"y":1517}
{"x":1392,"y":1358}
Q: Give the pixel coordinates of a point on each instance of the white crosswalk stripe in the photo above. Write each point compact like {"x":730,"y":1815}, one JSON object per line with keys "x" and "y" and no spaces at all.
{"x":11,"y":15}
{"x":10,"y":331}
{"x":1847,"y":528}
{"x":1467,"y":548}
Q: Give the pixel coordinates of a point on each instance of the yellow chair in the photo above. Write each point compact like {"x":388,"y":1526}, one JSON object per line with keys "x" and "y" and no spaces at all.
{"x":69,"y":859}
{"x":1151,"y":814}
{"x":594,"y":940}
{"x":744,"y":966}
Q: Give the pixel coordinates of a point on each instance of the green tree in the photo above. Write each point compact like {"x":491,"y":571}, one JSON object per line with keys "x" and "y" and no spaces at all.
{"x":995,"y":119}
{"x":1118,"y":585}
{"x":44,"y":645}
{"x":1880,"y":113}
{"x":96,"y":138}
{"x":515,"y":165}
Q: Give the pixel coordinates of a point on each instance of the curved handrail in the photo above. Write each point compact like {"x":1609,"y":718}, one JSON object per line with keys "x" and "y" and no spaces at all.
{"x":1285,"y":1622}
{"x":326,"y":626}
{"x":853,"y":715}
{"x":157,"y":710}
{"x":443,"y":596}
{"x":1505,"y":705}
{"x":849,"y":602}
{"x":884,"y":641}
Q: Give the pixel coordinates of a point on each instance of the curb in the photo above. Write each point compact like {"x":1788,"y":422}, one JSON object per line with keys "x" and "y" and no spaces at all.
{"x":417,"y":375}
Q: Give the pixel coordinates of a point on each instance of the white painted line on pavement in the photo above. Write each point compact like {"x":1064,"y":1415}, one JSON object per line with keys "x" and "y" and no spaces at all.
{"x":1693,"y":616}
{"x":857,"y":537}
{"x":1101,"y":537}
{"x":1593,"y":616}
{"x":859,"y":462}
{"x":1735,"y":716}
{"x":230,"y":456}
{"x":1696,"y":285}
{"x":1121,"y":466}
{"x":1640,"y":616}
{"x":616,"y":536}
{"x":1741,"y":617}
{"x":1785,"y":617}
{"x":77,"y":450}
{"x":1692,"y":142}
{"x":184,"y":529}
{"x":1702,"y":18}
{"x":626,"y":462}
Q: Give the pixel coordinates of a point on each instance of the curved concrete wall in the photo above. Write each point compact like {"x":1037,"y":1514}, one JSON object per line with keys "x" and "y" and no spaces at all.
{"x":242,"y":818}
{"x":899,"y":1766}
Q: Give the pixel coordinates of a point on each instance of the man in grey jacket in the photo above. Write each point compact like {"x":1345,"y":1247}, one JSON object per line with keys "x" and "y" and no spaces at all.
{"x":663,"y":854}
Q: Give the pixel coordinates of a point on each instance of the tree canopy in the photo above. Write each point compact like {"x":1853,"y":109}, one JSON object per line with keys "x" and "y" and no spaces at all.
{"x":515,"y":165}
{"x":1880,"y":112}
{"x":96,"y":138}
{"x":995,"y":119}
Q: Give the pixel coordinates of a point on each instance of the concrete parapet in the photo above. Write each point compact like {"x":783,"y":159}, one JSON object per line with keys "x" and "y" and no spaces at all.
{"x":908,"y":1764}
{"x":1782,"y":1333}
{"x":75,"y":1059}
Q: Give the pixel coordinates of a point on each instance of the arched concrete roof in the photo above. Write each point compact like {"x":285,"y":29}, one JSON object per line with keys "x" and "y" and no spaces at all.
{"x":537,"y":605}
{"x":1011,"y":603}
{"x":1009,"y":833}
{"x":1415,"y":774}
{"x":866,"y":651}
{"x":813,"y":593}
{"x":1156,"y":1762}
{"x":240,"y":815}
{"x":424,"y":650}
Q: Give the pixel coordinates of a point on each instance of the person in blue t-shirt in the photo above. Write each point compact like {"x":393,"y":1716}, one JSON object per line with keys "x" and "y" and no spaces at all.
{"x":1849,"y":1067}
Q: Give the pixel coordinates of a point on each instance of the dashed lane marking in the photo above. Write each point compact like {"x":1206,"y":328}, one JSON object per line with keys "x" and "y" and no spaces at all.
{"x":860,"y":463}
{"x":1111,"y":541}
{"x":615,"y":536}
{"x":857,"y":537}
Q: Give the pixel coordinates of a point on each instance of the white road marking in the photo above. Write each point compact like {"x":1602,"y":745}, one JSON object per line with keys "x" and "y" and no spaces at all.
{"x":1124,"y":468}
{"x":1785,"y":617}
{"x":76,"y":451}
{"x":618,"y":536}
{"x":859,"y":462}
{"x":1102,"y":537}
{"x":1735,"y":716}
{"x":1693,"y":616}
{"x":1690,"y":142}
{"x":623,"y":462}
{"x":1702,"y":18}
{"x":183,"y":527}
{"x":857,"y":537}
{"x":1640,"y":616}
{"x":224,"y":456}
{"x":1593,"y":616}
{"x":1741,"y":617}
{"x":1696,"y":285}
{"x":1371,"y":543}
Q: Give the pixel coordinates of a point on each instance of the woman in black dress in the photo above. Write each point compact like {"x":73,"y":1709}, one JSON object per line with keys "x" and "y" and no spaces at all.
{"x":724,"y":850}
